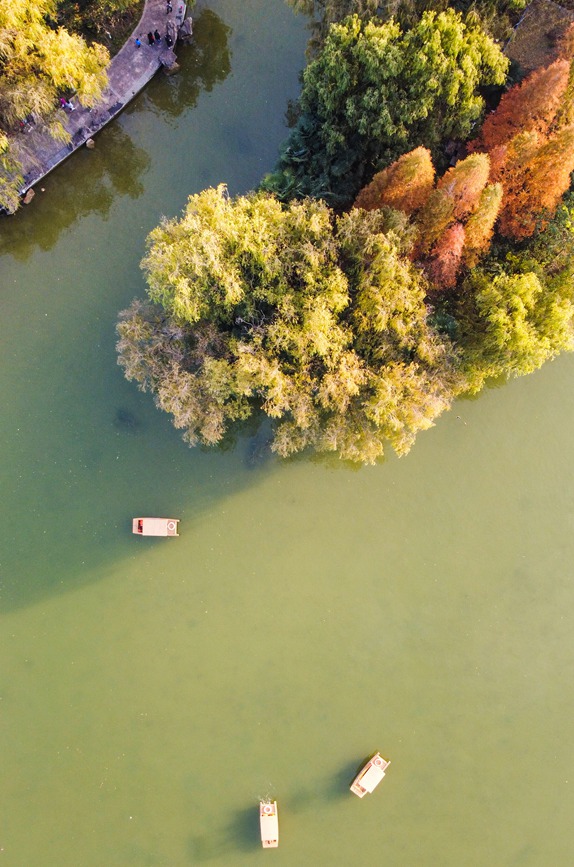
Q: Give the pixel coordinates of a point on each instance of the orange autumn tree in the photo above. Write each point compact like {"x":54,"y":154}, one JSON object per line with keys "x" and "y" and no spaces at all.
{"x":464,"y":183}
{"x":440,"y":214}
{"x":445,"y":261}
{"x":405,"y":185}
{"x":530,"y":144}
{"x":531,"y":106}
{"x":441,"y":223}
{"x":565,"y":114}
{"x":535,"y":187}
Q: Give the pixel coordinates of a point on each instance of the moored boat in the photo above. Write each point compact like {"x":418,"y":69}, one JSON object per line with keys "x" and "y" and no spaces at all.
{"x":269,"y":824}
{"x":370,"y":775}
{"x":155,"y":526}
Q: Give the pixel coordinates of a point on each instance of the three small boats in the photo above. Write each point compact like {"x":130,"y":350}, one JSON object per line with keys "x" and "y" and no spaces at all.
{"x":366,"y":780}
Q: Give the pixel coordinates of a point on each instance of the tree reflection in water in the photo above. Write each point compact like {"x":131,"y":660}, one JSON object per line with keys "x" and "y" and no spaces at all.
{"x":90,"y":184}
{"x":203,"y":64}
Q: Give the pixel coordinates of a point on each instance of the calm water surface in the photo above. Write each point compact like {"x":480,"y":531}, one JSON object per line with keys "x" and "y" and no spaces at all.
{"x":151,"y":691}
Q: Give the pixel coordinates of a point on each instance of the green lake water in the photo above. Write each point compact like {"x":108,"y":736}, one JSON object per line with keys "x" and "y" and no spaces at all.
{"x":151,"y":691}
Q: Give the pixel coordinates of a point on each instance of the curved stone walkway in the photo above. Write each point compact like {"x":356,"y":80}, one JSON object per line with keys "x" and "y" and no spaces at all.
{"x":128,"y":73}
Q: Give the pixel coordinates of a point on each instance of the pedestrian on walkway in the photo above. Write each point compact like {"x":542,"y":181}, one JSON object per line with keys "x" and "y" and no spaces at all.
{"x":169,"y":7}
{"x":138,"y":42}
{"x":157,"y":36}
{"x":69,"y":106}
{"x":168,"y":40}
{"x":150,"y":38}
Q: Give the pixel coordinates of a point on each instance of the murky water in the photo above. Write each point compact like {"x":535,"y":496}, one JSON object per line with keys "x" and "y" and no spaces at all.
{"x":152,"y":690}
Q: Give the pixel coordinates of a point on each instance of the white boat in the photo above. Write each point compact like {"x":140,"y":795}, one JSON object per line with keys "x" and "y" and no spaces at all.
{"x":370,"y":775}
{"x":155,"y":526}
{"x":269,"y":824}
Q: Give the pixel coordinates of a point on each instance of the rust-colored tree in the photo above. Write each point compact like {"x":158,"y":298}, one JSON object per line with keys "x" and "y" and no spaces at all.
{"x":533,"y":188}
{"x":465,"y":182}
{"x":404,"y":185}
{"x":509,"y":167}
{"x":529,"y":106}
{"x":446,"y":257}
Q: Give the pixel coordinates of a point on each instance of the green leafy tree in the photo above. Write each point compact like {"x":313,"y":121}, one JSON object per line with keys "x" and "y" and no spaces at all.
{"x":327,"y":12}
{"x":37,"y":62}
{"x":374,"y":93}
{"x":321,"y":324}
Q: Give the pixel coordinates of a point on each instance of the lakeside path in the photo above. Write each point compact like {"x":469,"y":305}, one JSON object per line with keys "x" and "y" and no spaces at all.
{"x":128,"y":73}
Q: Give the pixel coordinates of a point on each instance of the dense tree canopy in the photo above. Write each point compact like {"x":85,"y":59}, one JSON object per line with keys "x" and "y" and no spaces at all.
{"x":405,"y":185}
{"x":353,"y":330}
{"x":322,"y":324}
{"x":375,"y":92}
{"x":530,"y":141}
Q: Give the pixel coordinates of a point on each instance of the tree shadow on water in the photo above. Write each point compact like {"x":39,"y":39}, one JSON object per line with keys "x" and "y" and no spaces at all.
{"x":67,"y":515}
{"x":203,"y":64}
{"x":88,"y":182}
{"x":240,"y":835}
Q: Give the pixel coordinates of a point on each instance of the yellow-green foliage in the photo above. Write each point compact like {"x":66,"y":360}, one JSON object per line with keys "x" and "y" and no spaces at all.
{"x":322,"y":323}
{"x":480,"y":225}
{"x":37,"y":62}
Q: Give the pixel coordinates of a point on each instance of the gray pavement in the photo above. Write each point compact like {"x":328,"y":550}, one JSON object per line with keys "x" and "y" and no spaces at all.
{"x":128,"y":73}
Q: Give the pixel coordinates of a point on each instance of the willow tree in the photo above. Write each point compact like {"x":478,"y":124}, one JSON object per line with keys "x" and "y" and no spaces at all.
{"x":322,"y":324}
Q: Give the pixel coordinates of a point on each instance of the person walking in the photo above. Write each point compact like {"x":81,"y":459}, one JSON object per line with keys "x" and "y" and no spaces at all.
{"x":138,"y":42}
{"x":169,"y":7}
{"x":150,"y":38}
{"x":157,"y":36}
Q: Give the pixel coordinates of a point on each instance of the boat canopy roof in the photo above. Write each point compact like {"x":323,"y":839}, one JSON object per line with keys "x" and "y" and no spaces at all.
{"x":372,"y":777}
{"x":155,"y":526}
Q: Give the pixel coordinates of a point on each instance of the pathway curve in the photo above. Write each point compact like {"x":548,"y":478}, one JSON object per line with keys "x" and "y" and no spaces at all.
{"x":128,"y":72}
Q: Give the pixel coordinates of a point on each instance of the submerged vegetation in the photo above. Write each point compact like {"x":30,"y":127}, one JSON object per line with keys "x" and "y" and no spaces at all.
{"x":403,"y":253}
